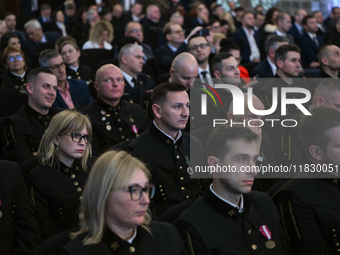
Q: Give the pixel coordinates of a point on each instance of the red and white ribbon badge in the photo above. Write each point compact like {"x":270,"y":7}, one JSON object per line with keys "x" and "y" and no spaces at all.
{"x":265,"y":231}
{"x":134,"y":129}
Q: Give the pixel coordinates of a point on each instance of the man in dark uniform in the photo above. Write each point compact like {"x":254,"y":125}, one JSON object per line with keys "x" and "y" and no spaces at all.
{"x":230,"y":218}
{"x":137,"y":86}
{"x":309,"y":203}
{"x":113,"y":120}
{"x":166,"y":150}
{"x":24,"y":129}
{"x":19,"y":226}
{"x":287,"y":61}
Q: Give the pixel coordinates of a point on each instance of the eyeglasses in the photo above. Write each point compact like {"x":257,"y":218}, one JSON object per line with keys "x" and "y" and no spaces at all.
{"x":17,"y":57}
{"x":56,"y":67}
{"x":135,"y":31}
{"x":136,"y":191}
{"x":77,"y":138}
{"x":178,"y":32}
{"x":202,"y":46}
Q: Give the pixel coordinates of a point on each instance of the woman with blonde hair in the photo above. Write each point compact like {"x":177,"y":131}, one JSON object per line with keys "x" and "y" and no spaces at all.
{"x":101,"y":36}
{"x":115,"y":214}
{"x":56,"y":184}
{"x":227,"y":16}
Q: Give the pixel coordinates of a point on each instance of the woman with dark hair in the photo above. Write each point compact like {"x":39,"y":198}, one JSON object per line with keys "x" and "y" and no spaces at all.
{"x":115,"y":214}
{"x":15,"y":69}
{"x":56,"y":184}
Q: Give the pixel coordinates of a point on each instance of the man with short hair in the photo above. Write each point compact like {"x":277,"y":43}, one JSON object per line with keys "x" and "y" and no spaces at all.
{"x":200,"y":48}
{"x":24,"y":129}
{"x":36,"y":35}
{"x":267,"y":68}
{"x":329,"y":59}
{"x":135,"y":12}
{"x":3,"y":28}
{"x":246,"y":39}
{"x":113,"y":120}
{"x":319,"y":19}
{"x":297,"y":29}
{"x":230,"y":218}
{"x":137,"y":86}
{"x":71,"y":93}
{"x":135,"y":29}
{"x":166,"y":150}
{"x":45,"y":14}
{"x":283,"y":23}
{"x":330,"y":21}
{"x":11,"y":22}
{"x":308,"y":204}
{"x":176,"y":43}
{"x":287,"y":61}
{"x":310,"y":42}
{"x":152,"y":26}
{"x":259,"y":20}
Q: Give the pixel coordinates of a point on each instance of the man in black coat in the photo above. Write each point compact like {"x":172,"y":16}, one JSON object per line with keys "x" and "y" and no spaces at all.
{"x":230,"y":218}
{"x":309,"y":203}
{"x":24,"y":129}
{"x":168,"y":151}
{"x":19,"y":226}
{"x":113,"y":120}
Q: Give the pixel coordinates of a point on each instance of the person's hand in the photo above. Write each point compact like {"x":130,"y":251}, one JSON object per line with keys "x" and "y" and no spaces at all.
{"x":314,"y":64}
{"x":256,"y":60}
{"x":194,"y":31}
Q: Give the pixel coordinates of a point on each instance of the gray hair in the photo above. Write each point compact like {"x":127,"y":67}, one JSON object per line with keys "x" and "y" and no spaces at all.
{"x":126,"y":50}
{"x":273,"y":40}
{"x":45,"y":56}
{"x":33,"y":22}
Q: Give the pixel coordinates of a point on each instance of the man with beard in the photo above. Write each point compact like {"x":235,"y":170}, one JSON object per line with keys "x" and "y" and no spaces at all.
{"x":247,"y":40}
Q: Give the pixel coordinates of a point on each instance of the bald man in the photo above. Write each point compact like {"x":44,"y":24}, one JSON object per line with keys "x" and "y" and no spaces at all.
{"x":113,"y":120}
{"x":329,"y":59}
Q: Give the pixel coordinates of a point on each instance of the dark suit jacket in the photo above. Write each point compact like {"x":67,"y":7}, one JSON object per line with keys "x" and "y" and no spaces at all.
{"x":79,"y":92}
{"x":50,"y":37}
{"x":263,"y":70}
{"x":164,"y":57}
{"x":240,"y":38}
{"x":147,"y":50}
{"x":309,"y":51}
{"x":294,"y":32}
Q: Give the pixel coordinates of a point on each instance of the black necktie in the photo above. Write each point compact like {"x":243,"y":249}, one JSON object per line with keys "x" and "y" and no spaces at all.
{"x":316,"y":42}
{"x":134,"y":81}
{"x":204,"y":74}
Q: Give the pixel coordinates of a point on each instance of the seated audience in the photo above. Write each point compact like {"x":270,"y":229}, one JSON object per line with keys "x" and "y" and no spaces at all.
{"x":56,"y":184}
{"x":120,"y":222}
{"x":101,"y":36}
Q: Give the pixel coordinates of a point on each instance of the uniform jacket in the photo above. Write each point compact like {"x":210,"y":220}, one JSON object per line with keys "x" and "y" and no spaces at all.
{"x":23,"y":131}
{"x":8,"y":80}
{"x":19,"y":226}
{"x":56,"y":195}
{"x":211,"y":226}
{"x":168,"y":165}
{"x":79,"y":93}
{"x":279,"y":83}
{"x":114,"y":125}
{"x":164,"y":239}
{"x":310,"y":211}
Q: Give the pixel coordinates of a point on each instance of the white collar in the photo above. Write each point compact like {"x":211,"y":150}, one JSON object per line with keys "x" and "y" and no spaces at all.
{"x":178,"y":135}
{"x":239,"y":208}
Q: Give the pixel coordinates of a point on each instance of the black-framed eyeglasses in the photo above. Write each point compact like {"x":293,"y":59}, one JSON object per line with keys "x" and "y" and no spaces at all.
{"x":202,"y":46}
{"x":178,"y":32}
{"x":13,"y":58}
{"x":56,"y":67}
{"x":135,"y":31}
{"x":136,"y":191}
{"x":77,"y":138}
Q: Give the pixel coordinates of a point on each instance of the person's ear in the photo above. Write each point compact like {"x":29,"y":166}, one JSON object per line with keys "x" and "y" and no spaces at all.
{"x":316,"y":152}
{"x":157,"y":110}
{"x":213,"y":161}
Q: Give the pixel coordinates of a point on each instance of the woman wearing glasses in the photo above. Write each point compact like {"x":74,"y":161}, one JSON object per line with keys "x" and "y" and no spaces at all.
{"x":14,"y":66}
{"x":56,"y":184}
{"x":115,"y":217}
